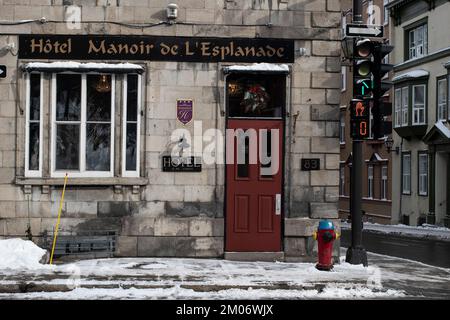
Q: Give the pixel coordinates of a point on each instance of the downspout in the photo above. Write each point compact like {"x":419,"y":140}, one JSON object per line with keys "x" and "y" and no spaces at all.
{"x":401,"y":182}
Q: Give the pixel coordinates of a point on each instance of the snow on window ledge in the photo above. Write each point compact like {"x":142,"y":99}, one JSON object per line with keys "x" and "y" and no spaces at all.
{"x":258,"y":67}
{"x":83,"y":67}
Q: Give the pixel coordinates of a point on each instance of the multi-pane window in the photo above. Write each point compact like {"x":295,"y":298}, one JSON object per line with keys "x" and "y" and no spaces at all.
{"x":418,"y":104}
{"x":406,"y":173}
{"x":33,"y":131}
{"x":370,"y":181}
{"x":384,"y":182}
{"x":82,"y":130}
{"x":342,"y":181}
{"x":401,"y":106}
{"x":342,"y":128}
{"x":386,"y":12}
{"x":131,"y":120}
{"x":418,"y":41}
{"x":441,"y":99}
{"x":423,"y":173}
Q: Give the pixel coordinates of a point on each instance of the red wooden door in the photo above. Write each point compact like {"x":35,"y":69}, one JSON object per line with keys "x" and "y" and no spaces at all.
{"x":253,"y":196}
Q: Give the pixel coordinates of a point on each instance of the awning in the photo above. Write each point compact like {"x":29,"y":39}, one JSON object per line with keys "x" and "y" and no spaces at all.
{"x":438,"y":134}
{"x":414,"y":74}
{"x":257,"y":68}
{"x":73,"y":66}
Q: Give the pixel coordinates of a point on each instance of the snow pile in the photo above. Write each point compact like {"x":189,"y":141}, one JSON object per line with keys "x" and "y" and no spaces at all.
{"x":20,"y":254}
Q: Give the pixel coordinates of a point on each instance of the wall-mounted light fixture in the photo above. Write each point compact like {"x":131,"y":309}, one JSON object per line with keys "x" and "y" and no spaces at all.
{"x":172,"y":11}
{"x":389,"y":142}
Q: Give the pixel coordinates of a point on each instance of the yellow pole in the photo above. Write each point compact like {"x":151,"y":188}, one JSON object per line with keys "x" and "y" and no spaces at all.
{"x":59,"y":218}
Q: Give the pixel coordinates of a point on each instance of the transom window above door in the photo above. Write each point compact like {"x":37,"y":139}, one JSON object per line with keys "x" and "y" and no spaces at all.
{"x":255,"y":95}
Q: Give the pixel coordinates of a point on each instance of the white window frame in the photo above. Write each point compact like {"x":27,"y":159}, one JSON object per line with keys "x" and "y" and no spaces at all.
{"x":406,"y":174}
{"x":418,"y":48}
{"x":398,"y":107}
{"x":441,"y":103}
{"x":386,"y":13}
{"x":125,"y":172}
{"x":82,"y":173}
{"x":423,"y":176}
{"x":405,"y":105}
{"x":384,"y":182}
{"x":343,"y":78}
{"x":28,"y":172}
{"x":419,"y":108}
{"x":370,"y":169}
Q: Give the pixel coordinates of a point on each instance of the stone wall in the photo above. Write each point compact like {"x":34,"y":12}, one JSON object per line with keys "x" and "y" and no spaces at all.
{"x":181,"y":214}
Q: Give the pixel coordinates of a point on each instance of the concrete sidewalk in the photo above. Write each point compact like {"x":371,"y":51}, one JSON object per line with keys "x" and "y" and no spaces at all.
{"x":168,"y":278}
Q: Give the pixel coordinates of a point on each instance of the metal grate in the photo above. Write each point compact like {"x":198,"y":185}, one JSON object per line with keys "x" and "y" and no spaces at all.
{"x":87,"y":242}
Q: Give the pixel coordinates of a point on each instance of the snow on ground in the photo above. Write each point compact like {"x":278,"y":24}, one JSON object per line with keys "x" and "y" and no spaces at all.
{"x":176,"y":292}
{"x":425,"y":230}
{"x":178,"y":278}
{"x":20,"y":254}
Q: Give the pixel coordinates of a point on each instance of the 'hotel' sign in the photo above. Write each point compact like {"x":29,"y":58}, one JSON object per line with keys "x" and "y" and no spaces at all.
{"x":189,"y":49}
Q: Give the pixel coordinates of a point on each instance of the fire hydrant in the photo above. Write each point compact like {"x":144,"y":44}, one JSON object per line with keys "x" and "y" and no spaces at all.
{"x":325,"y":236}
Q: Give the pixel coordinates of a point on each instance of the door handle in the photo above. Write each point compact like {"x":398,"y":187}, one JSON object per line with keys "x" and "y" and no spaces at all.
{"x":278,"y":204}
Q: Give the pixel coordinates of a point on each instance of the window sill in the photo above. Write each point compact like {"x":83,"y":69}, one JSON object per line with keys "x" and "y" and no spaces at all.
{"x":138,"y":181}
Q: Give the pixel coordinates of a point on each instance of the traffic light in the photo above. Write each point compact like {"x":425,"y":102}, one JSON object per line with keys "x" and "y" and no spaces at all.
{"x":363,"y":68}
{"x":360,"y":117}
{"x":380,"y":109}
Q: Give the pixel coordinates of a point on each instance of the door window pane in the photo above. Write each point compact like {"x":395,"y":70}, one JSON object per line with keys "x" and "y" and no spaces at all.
{"x":243,"y":157}
{"x":68,"y":97}
{"x":255,"y":96}
{"x":67,"y":147}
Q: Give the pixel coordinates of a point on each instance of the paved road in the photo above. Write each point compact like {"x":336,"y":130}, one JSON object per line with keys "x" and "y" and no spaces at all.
{"x":426,"y":250}
{"x":418,"y":280}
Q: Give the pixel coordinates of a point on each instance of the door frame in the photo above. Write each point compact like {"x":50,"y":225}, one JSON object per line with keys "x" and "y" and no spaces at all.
{"x":284,"y":156}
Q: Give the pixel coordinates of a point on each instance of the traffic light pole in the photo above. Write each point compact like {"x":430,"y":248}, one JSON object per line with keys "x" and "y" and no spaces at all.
{"x":356,"y":254}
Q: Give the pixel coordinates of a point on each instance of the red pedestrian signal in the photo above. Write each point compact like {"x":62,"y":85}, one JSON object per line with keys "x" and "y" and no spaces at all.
{"x":360,"y":117}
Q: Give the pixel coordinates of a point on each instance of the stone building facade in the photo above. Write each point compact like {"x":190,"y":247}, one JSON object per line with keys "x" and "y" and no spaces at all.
{"x":54,"y":119}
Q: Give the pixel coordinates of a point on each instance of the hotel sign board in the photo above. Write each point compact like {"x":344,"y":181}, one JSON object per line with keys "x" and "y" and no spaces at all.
{"x":181,"y":164}
{"x":155,"y":48}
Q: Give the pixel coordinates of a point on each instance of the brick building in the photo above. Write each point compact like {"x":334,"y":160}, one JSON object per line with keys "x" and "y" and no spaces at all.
{"x":102,"y":99}
{"x":377,"y":169}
